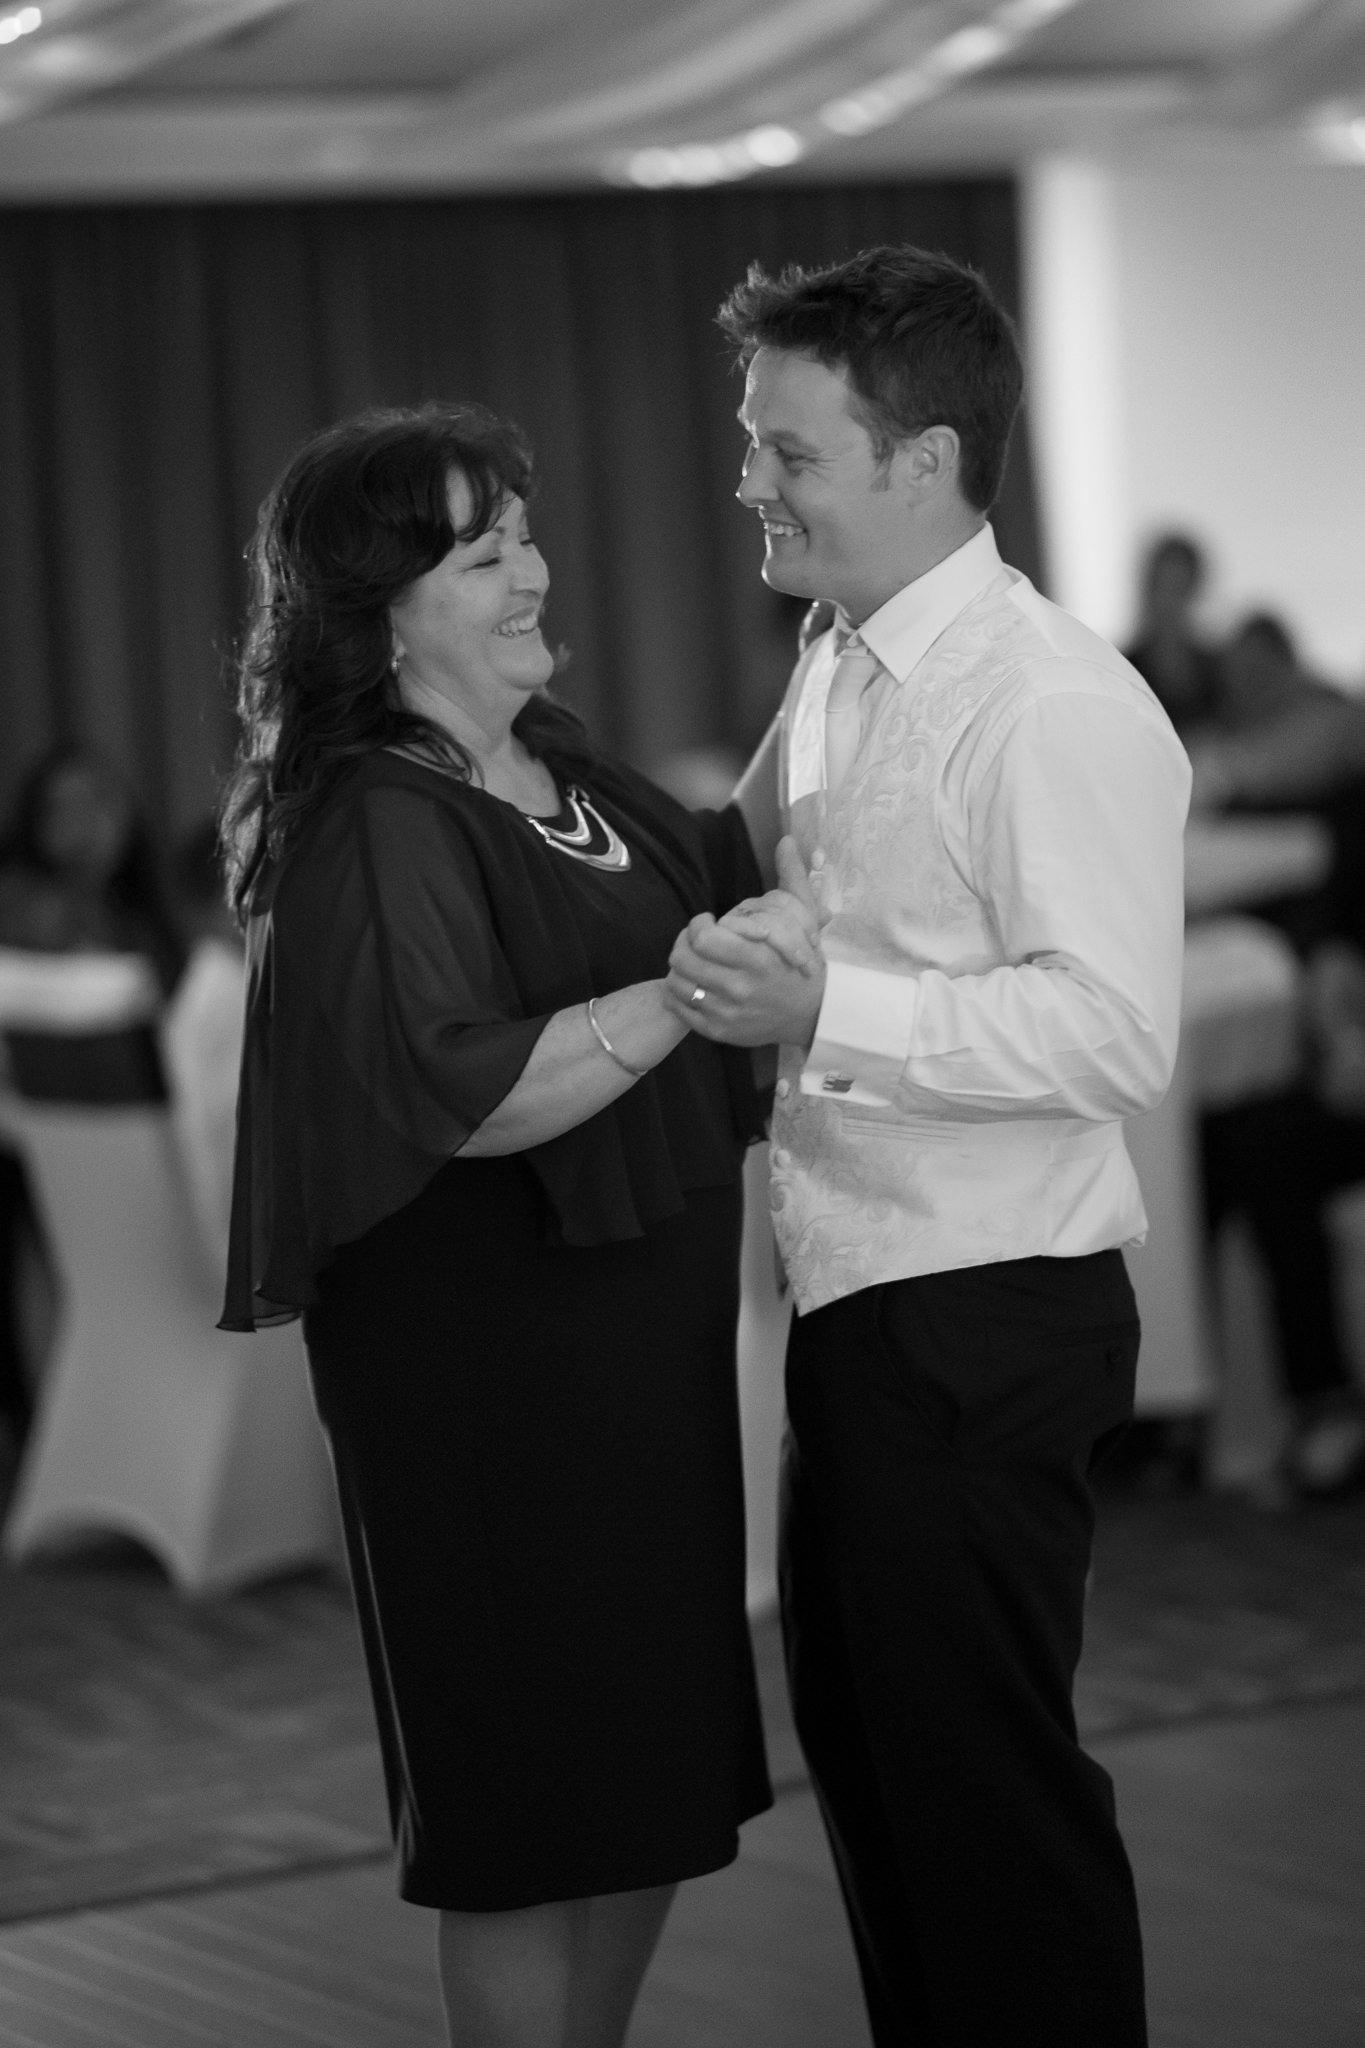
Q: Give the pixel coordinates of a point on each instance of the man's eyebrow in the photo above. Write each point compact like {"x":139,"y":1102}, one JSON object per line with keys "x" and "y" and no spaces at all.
{"x":784,"y":435}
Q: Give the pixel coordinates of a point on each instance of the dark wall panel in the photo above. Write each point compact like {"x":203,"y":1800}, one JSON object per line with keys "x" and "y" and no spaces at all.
{"x":159,"y":364}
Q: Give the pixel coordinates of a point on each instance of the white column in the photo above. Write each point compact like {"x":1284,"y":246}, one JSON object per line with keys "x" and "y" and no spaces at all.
{"x":1074,"y":343}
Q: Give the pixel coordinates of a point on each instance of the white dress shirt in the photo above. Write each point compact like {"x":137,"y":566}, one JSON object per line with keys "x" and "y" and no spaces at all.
{"x":1001,"y":871}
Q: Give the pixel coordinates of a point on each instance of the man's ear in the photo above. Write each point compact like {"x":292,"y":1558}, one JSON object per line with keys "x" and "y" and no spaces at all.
{"x":936,"y":455}
{"x":928,"y":462}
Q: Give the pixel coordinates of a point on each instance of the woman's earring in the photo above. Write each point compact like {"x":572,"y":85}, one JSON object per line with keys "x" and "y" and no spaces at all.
{"x":394,"y":660}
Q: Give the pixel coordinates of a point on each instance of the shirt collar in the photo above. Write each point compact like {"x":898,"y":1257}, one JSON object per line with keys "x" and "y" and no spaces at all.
{"x":901,"y":632}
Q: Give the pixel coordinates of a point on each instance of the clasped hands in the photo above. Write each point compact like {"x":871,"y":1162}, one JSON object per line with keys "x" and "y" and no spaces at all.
{"x":760,"y":966}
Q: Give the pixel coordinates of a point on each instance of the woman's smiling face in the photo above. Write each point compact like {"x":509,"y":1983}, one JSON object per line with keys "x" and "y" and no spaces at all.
{"x":470,"y":628}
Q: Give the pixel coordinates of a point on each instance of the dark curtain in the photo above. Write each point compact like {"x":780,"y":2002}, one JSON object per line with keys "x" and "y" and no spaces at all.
{"x":158,"y":365}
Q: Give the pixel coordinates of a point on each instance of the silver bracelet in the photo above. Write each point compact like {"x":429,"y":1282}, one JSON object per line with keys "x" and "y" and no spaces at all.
{"x":636,"y":1073}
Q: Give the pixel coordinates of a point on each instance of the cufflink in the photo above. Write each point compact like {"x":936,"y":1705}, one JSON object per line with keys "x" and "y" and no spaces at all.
{"x":836,"y":1084}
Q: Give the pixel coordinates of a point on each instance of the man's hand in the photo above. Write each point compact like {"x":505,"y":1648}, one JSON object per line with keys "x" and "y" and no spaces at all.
{"x":760,"y":968}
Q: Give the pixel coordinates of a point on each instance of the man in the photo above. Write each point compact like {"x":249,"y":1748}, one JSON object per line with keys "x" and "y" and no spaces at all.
{"x":985,"y":805}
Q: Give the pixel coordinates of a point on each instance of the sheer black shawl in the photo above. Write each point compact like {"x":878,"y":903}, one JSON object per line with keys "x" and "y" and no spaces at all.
{"x":404,"y":960}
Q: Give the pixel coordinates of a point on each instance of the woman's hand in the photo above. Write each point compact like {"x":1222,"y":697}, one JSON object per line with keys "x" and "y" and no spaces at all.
{"x":757,"y":975}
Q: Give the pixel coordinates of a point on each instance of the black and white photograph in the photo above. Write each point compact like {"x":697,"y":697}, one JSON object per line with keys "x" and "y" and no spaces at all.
{"x":682,"y":1024}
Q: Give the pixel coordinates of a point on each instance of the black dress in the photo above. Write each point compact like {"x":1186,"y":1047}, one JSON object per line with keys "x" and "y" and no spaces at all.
{"x":525,"y":1364}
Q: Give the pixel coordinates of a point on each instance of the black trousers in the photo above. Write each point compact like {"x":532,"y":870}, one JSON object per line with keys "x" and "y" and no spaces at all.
{"x":16,"y":1216}
{"x":936,"y":1539}
{"x":1279,"y":1161}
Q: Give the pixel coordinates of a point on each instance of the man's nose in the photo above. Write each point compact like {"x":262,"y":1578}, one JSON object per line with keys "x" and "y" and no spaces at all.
{"x":756,"y":482}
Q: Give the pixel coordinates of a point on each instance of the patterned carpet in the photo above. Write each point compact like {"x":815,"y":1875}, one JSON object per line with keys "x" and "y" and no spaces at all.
{"x":149,"y":1745}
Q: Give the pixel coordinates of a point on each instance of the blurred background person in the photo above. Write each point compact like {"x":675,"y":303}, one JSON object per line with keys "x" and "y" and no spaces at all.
{"x":78,"y":868}
{"x":1281,"y":740}
{"x":700,"y":778}
{"x":1277,"y":1161}
{"x":1284,"y":740}
{"x":1279,"y":736}
{"x":1169,"y":651}
{"x":78,"y":875}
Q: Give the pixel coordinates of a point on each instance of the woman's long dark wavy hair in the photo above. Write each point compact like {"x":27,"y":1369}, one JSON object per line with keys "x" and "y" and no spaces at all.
{"x":360,"y":513}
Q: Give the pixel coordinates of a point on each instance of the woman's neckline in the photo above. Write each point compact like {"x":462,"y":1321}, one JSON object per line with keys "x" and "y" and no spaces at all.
{"x":462,"y":782}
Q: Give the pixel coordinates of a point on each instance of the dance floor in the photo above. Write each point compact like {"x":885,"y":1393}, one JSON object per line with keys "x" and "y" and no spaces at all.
{"x":1224,"y":1689}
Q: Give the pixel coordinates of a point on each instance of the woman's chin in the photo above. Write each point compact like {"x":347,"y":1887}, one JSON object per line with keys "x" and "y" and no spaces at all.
{"x":535,"y":671}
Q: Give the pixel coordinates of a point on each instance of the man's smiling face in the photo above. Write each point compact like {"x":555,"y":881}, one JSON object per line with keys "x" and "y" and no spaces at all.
{"x":835,"y":521}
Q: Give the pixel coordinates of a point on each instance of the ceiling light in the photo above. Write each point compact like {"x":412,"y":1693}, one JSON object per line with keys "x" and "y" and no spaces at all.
{"x":700,"y":163}
{"x":1342,"y":139}
{"x":70,"y":58}
{"x":969,"y":49}
{"x":1021,"y":17}
{"x":853,"y":114}
{"x":12,"y":26}
{"x":774,"y":146}
{"x":652,"y":168}
{"x":885,"y":100}
{"x":857,"y":115}
{"x":1338,"y":129}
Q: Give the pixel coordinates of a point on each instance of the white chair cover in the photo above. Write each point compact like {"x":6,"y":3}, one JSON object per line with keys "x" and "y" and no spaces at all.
{"x":201,"y":1050}
{"x":75,"y":992}
{"x":151,"y":1422}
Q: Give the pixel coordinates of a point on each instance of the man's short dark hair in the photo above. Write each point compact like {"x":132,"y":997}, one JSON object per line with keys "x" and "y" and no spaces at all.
{"x":921,"y":338}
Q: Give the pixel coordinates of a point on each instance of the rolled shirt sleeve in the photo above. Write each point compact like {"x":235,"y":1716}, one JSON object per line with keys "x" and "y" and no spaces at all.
{"x":1063,"y":815}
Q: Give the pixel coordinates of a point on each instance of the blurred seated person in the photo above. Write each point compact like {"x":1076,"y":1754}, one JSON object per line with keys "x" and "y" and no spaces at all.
{"x":78,"y":875}
{"x":1168,"y":652}
{"x":1277,"y":1162}
{"x":201,"y":1035}
{"x":1279,"y":739}
{"x":1285,"y":740}
{"x":1282,"y":738}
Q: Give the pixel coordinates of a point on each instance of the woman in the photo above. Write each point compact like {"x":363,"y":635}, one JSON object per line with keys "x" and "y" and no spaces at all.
{"x":501,"y":1183}
{"x":78,"y":874}
{"x":78,"y":871}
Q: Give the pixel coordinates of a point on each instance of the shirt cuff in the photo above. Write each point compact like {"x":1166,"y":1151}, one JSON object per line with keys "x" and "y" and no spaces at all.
{"x":862,"y":1035}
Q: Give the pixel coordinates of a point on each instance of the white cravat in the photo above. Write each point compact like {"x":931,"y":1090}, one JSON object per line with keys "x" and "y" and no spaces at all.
{"x":853,"y":671}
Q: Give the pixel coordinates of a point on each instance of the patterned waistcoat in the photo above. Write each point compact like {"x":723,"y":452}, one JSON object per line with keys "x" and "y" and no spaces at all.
{"x":866,"y":1190}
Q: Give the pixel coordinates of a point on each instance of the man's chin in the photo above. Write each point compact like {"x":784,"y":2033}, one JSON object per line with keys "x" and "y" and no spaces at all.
{"x":788,"y":577}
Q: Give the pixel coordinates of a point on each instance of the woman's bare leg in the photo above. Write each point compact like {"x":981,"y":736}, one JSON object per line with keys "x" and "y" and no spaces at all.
{"x":564,"y":1975}
{"x":623,"y":1932}
{"x":508,"y":1978}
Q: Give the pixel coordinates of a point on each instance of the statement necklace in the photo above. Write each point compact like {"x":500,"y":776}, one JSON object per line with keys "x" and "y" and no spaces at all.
{"x":585,"y":835}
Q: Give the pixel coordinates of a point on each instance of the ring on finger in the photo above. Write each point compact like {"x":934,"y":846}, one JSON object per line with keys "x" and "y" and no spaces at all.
{"x":697,"y":997}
